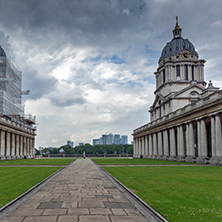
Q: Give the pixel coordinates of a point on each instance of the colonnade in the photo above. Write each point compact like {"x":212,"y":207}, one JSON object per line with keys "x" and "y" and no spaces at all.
{"x":198,"y":140}
{"x":14,"y":145}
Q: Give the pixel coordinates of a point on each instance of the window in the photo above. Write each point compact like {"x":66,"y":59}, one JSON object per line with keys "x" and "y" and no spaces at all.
{"x":160,"y":111}
{"x":194,"y":93}
{"x":164,"y":76}
{"x":186,"y":72}
{"x":192,"y":71}
{"x":178,"y":72}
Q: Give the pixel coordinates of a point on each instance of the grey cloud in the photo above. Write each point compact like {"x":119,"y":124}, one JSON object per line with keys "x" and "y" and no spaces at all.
{"x":67,"y":101}
{"x":72,"y":21}
{"x":38,"y":86}
{"x":5,"y":43}
{"x":66,"y":94}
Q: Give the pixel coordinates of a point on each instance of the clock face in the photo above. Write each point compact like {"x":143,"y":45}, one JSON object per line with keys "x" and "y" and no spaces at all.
{"x":185,"y":55}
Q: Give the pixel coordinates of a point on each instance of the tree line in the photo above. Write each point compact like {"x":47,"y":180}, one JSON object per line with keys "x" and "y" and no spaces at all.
{"x":89,"y":149}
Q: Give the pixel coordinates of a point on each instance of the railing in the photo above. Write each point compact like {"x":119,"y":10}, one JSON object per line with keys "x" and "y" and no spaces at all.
{"x":24,"y":123}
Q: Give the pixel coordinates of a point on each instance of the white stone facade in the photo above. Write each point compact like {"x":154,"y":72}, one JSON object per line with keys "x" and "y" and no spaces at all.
{"x":17,"y":139}
{"x":185,"y":116}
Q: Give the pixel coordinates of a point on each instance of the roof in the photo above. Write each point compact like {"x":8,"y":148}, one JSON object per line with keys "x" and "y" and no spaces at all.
{"x":175,"y":46}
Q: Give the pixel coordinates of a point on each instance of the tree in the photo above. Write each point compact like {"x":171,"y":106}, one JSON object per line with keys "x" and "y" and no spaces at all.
{"x":68,"y":149}
{"x":37,"y":152}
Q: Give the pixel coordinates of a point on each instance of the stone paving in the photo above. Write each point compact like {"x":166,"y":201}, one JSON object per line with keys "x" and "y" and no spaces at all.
{"x":82,"y":193}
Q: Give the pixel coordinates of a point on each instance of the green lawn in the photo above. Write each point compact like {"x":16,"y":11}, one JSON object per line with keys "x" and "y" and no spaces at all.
{"x":178,"y":193}
{"x":44,"y":161}
{"x":16,"y":180}
{"x":125,"y":161}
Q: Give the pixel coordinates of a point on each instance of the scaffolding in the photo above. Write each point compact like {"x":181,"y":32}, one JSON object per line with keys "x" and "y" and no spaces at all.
{"x":11,"y":89}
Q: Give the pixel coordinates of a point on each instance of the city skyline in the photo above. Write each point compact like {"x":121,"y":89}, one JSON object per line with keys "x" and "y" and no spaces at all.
{"x":109,"y":139}
{"x":89,"y":67}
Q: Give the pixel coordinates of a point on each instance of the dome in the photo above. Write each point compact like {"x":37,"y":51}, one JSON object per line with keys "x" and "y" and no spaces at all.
{"x":175,"y":46}
{"x":2,"y":52}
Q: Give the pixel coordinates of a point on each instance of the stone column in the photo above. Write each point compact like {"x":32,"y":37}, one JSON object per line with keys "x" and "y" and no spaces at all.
{"x":182,"y":72}
{"x":213,"y":136}
{"x":182,"y":148}
{"x":2,"y":149}
{"x":172,"y":143}
{"x":33,"y":146}
{"x":218,"y":136}
{"x":13,"y":144}
{"x":203,"y":139}
{"x":189,"y":72}
{"x":28,"y":146}
{"x":180,"y":143}
{"x":24,"y":145}
{"x":199,"y":138}
{"x":165,"y":143}
{"x":138,"y":147}
{"x":187,"y":139}
{"x":17,"y":145}
{"x":154,"y":145}
{"x":134,"y":147}
{"x":143,"y":146}
{"x":146,"y":146}
{"x":21,"y":146}
{"x":202,"y":72}
{"x":191,"y":140}
{"x":150,"y":145}
{"x":160,"y":144}
{"x":8,"y":144}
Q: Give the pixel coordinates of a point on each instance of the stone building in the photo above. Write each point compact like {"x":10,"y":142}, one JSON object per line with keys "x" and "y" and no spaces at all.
{"x":17,"y":130}
{"x":186,"y":112}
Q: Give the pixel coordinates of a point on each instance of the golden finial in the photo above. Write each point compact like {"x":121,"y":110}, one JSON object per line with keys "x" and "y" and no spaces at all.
{"x":177,"y":26}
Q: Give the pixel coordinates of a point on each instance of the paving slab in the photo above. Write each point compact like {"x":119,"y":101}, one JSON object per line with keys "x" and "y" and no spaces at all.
{"x":81,"y":192}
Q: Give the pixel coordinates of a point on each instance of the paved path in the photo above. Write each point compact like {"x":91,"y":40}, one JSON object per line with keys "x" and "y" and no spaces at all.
{"x":82,"y":193}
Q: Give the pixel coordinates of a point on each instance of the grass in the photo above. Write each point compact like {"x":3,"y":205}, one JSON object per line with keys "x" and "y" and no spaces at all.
{"x":17,"y":180}
{"x":179,"y":193}
{"x":124,"y":161}
{"x":44,"y":161}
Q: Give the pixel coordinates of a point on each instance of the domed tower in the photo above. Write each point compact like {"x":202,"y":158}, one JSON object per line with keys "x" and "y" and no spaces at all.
{"x":179,"y":77}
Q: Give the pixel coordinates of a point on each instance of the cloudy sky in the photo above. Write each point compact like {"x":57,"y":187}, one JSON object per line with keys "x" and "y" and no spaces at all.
{"x":89,"y":63}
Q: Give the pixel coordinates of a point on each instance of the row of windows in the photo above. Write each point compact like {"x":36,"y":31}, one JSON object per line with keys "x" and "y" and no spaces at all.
{"x":178,"y":75}
{"x":185,"y":72}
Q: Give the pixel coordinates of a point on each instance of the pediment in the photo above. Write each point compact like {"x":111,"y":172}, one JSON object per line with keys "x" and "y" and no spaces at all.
{"x":190,"y":91}
{"x":158,"y":99}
